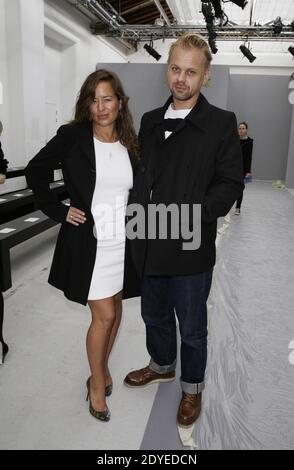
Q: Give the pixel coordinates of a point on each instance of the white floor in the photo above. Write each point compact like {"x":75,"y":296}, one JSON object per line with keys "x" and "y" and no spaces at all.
{"x":42,"y":382}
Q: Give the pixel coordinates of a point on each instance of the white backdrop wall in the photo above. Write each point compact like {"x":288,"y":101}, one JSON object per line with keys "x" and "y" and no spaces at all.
{"x":3,"y":75}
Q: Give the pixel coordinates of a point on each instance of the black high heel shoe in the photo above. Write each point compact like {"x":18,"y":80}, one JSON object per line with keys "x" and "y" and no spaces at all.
{"x":108,"y":390}
{"x":5,"y":350}
{"x":102,"y":415}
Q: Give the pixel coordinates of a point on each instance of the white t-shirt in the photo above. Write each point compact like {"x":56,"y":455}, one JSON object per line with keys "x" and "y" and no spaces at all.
{"x":175,"y":114}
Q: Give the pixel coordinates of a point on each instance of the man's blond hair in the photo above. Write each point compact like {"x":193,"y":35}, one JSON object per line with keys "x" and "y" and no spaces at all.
{"x":190,"y":41}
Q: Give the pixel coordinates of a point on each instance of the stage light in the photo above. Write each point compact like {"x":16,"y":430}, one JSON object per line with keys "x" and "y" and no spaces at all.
{"x":212,"y":45}
{"x":152,"y":51}
{"x":207,"y":12}
{"x":278,"y":25}
{"x":209,"y":18}
{"x":247,"y":53}
{"x":240,"y":3}
{"x":218,"y":11}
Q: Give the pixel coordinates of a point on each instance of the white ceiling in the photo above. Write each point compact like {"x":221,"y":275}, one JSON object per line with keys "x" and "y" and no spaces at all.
{"x":189,"y":11}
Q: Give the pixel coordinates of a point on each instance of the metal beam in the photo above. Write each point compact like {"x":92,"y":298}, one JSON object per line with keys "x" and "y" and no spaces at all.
{"x":162,"y":12}
{"x":146,"y":32}
{"x":137,"y":7}
{"x":94,"y":11}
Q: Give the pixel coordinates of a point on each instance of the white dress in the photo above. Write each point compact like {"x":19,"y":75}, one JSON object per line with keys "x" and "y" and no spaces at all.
{"x":114,"y":179}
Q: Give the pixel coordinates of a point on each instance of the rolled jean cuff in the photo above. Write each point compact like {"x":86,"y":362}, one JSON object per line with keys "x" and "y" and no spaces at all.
{"x":162,"y":369}
{"x":192,"y":389}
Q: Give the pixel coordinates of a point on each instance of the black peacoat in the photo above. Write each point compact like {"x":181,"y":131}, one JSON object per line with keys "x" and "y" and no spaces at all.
{"x":72,"y":150}
{"x":200,"y":163}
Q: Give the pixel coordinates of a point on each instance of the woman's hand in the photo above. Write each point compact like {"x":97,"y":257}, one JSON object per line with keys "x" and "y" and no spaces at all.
{"x":75,"y":216}
{"x":2,"y":178}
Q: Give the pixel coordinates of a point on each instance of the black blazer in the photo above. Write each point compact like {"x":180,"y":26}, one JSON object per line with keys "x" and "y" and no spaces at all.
{"x":72,"y":150}
{"x":200,"y":162}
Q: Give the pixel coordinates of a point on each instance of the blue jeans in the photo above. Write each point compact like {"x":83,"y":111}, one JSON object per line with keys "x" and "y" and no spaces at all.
{"x":161,"y":298}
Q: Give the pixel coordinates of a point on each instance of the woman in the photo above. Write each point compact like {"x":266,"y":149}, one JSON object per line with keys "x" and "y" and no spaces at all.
{"x":247,"y":147}
{"x":96,"y":151}
{"x":3,"y":169}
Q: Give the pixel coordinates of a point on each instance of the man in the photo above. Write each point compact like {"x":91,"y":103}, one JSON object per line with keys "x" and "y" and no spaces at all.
{"x":190,"y":155}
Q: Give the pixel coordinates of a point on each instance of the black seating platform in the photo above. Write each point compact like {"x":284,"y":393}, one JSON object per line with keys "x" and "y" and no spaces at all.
{"x":17,"y":231}
{"x":22,"y":202}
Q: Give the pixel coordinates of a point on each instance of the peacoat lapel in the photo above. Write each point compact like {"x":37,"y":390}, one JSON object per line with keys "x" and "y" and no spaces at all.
{"x":86,"y":143}
{"x":198,"y":116}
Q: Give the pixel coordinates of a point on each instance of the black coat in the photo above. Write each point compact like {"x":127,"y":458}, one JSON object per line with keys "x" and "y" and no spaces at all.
{"x":247,"y":147}
{"x":72,"y":150}
{"x":200,"y":163}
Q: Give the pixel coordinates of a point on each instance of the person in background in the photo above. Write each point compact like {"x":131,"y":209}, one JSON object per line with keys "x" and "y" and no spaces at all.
{"x":3,"y":169}
{"x":247,"y":147}
{"x":3,"y":161}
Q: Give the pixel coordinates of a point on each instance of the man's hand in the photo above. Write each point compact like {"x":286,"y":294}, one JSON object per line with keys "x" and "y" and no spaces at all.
{"x":75,"y":216}
{"x":2,"y":178}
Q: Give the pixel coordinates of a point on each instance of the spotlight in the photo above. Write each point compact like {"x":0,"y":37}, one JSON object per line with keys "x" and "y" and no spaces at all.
{"x":209,"y":18}
{"x":291,"y":50}
{"x":212,"y":45}
{"x":152,"y":51}
{"x":218,"y":11}
{"x":207,"y":11}
{"x":240,"y":3}
{"x":247,"y":53}
{"x":278,"y":25}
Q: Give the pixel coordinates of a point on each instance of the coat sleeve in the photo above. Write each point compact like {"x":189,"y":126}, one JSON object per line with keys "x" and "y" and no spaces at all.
{"x":227,"y":184}
{"x":39,"y":170}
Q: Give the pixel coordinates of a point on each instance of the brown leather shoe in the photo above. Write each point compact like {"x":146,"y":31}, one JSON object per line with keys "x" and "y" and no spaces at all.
{"x":146,"y":376}
{"x":189,"y":409}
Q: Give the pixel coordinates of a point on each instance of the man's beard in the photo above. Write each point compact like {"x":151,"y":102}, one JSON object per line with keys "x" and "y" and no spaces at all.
{"x":184,"y":96}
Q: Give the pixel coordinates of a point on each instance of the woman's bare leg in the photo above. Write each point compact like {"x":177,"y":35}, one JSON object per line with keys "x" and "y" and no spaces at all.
{"x":115,"y":327}
{"x":98,"y":338}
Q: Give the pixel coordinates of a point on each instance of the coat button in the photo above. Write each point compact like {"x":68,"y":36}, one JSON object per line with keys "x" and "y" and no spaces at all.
{"x":93,"y":171}
{"x":143,"y":169}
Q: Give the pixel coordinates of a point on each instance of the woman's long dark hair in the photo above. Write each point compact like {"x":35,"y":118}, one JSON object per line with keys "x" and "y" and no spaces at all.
{"x":124,"y":124}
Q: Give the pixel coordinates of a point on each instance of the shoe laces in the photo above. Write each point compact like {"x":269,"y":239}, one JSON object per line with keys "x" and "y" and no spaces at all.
{"x":189,"y":398}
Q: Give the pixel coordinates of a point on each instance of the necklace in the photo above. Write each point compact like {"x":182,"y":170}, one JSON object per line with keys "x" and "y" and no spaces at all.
{"x":102,"y":139}
{"x":104,"y":142}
